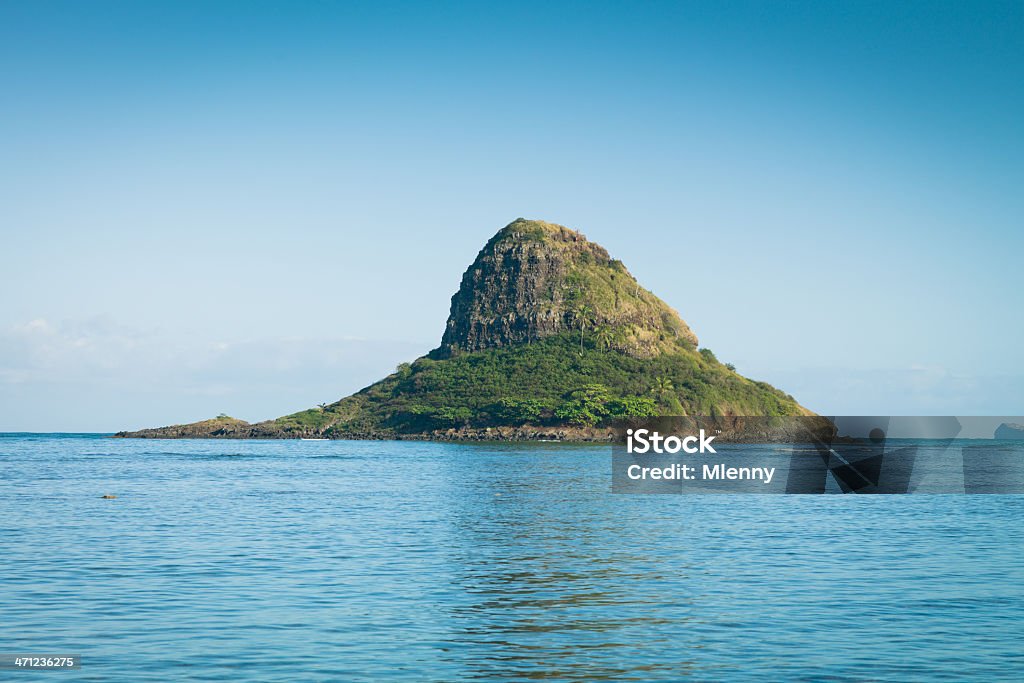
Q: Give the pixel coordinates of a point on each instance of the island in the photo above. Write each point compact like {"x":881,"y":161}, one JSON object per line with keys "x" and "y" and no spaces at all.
{"x":549,"y":337}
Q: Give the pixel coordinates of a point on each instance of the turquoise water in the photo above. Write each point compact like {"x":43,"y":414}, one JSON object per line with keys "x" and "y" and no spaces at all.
{"x":295,"y":561}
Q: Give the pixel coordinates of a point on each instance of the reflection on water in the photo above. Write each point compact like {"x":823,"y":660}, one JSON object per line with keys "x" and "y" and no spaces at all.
{"x":383,"y":561}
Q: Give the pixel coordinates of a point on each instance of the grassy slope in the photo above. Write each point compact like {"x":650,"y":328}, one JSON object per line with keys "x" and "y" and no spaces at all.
{"x":546,"y":382}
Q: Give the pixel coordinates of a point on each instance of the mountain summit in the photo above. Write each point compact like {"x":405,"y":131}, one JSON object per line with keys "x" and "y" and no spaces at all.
{"x":535,"y":279}
{"x":548,"y":337}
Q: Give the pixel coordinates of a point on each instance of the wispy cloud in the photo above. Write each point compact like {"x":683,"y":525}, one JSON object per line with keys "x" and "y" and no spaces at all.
{"x":912,"y":390}
{"x":99,"y":374}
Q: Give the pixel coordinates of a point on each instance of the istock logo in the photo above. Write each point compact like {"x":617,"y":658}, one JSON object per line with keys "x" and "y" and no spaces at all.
{"x":645,"y":441}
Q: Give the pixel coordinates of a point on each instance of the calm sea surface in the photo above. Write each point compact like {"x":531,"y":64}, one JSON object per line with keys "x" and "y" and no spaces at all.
{"x":296,"y":561}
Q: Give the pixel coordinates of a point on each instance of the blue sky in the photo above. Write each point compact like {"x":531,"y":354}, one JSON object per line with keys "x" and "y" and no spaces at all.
{"x":254,"y":207}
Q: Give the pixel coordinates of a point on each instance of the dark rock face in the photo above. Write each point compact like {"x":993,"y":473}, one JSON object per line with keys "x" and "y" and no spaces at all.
{"x":512,"y":292}
{"x":532,"y":279}
{"x":1010,"y":430}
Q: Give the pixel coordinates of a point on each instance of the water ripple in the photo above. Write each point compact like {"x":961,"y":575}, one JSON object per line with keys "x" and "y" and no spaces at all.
{"x":293,"y":561}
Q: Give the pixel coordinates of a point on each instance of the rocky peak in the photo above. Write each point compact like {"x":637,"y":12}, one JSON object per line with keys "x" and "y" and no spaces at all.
{"x":535,"y":279}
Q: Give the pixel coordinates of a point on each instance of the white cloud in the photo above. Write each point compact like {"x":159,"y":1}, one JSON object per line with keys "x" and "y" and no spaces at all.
{"x":96,"y":374}
{"x":914,"y":390}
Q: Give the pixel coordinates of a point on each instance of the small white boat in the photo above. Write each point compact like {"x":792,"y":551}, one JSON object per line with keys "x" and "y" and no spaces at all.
{"x":305,"y":439}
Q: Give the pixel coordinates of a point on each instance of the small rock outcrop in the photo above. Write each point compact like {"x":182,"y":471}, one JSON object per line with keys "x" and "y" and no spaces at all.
{"x":1010,"y":430}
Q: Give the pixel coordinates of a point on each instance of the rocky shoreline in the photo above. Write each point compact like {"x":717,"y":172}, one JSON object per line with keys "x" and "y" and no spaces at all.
{"x":259,"y":431}
{"x":794,"y":429}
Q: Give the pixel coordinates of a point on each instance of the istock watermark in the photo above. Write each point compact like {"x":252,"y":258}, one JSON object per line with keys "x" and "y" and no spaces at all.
{"x":814,"y":455}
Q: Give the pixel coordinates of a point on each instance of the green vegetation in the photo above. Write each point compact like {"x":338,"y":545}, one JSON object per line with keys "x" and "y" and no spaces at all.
{"x":548,"y":382}
{"x":582,"y":316}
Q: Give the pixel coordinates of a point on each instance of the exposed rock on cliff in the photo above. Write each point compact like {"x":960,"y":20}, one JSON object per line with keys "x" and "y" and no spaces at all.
{"x":535,"y":279}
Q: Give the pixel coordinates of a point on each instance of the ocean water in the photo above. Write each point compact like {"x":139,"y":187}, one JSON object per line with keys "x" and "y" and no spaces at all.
{"x":307,"y":561}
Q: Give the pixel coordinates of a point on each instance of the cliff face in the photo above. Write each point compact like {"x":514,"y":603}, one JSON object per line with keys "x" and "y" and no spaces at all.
{"x":535,"y":279}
